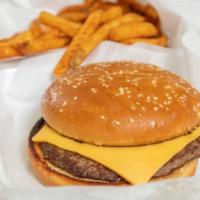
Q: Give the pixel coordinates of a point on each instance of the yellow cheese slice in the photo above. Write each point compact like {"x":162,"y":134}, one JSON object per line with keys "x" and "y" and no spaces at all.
{"x":134,"y":164}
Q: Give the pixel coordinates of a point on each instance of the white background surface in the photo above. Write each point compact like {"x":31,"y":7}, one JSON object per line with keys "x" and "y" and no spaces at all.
{"x":23,"y":81}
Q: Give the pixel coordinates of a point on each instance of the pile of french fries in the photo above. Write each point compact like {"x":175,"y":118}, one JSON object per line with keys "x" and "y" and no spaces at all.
{"x":82,"y":27}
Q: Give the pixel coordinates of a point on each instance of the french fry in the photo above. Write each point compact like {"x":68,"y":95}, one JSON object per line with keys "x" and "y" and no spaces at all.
{"x":76,"y":16}
{"x":132,"y":17}
{"x":160,"y":41}
{"x":45,"y":31}
{"x":133,"y":30}
{"x":41,"y":45}
{"x":146,"y":9}
{"x":89,"y":3}
{"x":68,"y":27}
{"x":122,"y":21}
{"x":8,"y":52}
{"x":86,"y":30}
{"x":36,"y":26}
{"x":151,"y":14}
{"x":136,"y":5}
{"x":112,"y":13}
{"x":100,"y":4}
{"x":100,"y":35}
{"x":126,"y":7}
{"x":88,"y":46}
{"x":20,"y":38}
{"x":73,"y":8}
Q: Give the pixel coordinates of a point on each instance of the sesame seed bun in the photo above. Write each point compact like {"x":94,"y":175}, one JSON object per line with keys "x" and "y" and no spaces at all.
{"x":51,"y":176}
{"x":121,"y":104}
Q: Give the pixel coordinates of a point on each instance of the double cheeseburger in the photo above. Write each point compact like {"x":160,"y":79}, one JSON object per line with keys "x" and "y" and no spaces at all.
{"x":116,"y":123}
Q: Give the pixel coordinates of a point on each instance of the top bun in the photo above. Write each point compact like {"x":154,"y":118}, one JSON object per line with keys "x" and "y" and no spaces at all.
{"x":121,"y":104}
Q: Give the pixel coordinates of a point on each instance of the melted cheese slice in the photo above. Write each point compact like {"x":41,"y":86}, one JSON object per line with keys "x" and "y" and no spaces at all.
{"x":134,"y":164}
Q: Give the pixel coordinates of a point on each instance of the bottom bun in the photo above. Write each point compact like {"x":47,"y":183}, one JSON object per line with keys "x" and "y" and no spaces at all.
{"x":50,"y":177}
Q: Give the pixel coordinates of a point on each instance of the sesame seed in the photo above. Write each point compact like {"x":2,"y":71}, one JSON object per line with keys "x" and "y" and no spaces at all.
{"x":120,"y":92}
{"x":154,"y":83}
{"x":75,"y":98}
{"x":167,"y":94}
{"x":155,"y":108}
{"x":148,"y":97}
{"x":143,"y":108}
{"x":133,"y":107}
{"x":116,"y":122}
{"x":167,"y":87}
{"x":169,"y":97}
{"x":94,"y":90}
{"x":131,"y":120}
{"x":169,"y":102}
{"x":64,"y":103}
{"x":152,"y":123}
{"x":121,"y":72}
{"x":103,"y":117}
{"x":60,"y":110}
{"x":74,"y":86}
{"x":167,"y":108}
{"x":165,"y":102}
{"x":140,"y":95}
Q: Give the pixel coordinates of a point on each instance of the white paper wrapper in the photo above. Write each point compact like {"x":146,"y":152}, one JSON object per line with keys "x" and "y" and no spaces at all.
{"x":23,"y":81}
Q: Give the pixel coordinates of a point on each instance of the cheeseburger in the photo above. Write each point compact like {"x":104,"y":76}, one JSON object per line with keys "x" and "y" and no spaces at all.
{"x":117,"y":123}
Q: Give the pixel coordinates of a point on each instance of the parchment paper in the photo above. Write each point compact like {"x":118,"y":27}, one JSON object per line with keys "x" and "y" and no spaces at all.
{"x":23,"y":81}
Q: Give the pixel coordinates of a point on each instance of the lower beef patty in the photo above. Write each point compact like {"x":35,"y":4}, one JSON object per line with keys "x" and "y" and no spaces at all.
{"x":82,"y":167}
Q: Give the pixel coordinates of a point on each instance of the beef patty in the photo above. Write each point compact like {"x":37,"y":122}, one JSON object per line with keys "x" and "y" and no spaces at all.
{"x":82,"y":167}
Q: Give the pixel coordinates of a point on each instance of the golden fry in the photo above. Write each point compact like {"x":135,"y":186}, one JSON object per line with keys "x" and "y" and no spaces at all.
{"x":133,"y":30}
{"x":86,"y":30}
{"x":53,"y":34}
{"x":90,"y":43}
{"x":73,"y":8}
{"x":126,"y":7}
{"x":45,"y":31}
{"x":136,"y":5}
{"x":8,"y":52}
{"x":112,"y":13}
{"x":96,"y":38}
{"x":20,"y":38}
{"x":132,"y":17}
{"x":100,"y":4}
{"x":68,"y":27}
{"x":160,"y":41}
{"x":76,"y":16}
{"x":151,"y":14}
{"x":146,"y":9}
{"x":41,"y":45}
{"x":89,"y":2}
{"x":36,"y":27}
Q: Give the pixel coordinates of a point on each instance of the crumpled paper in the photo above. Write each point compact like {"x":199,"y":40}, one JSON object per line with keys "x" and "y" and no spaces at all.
{"x":23,"y":82}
